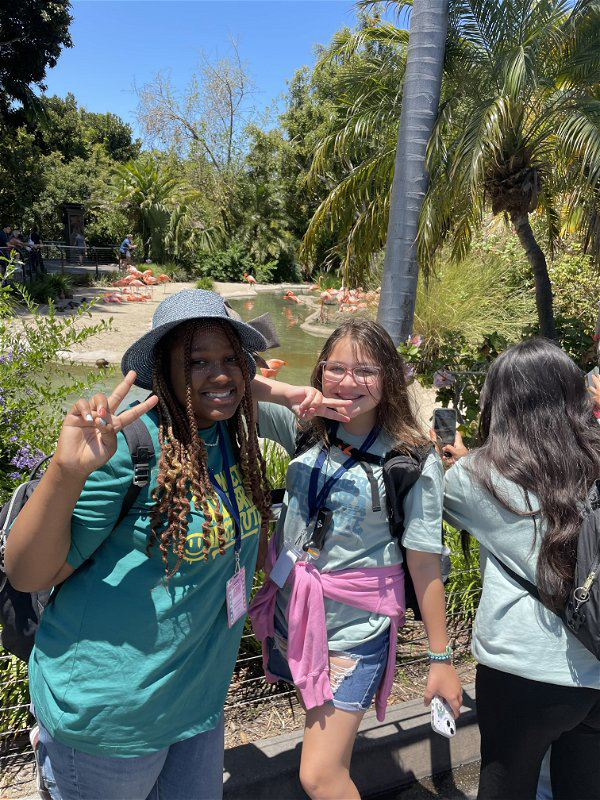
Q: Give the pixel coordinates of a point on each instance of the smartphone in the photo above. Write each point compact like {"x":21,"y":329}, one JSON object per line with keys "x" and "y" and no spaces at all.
{"x":442,"y":718}
{"x":590,"y":375}
{"x":444,"y":425}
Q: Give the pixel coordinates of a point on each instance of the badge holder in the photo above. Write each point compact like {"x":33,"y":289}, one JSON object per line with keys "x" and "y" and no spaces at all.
{"x":315,"y":545}
{"x":235,"y":590}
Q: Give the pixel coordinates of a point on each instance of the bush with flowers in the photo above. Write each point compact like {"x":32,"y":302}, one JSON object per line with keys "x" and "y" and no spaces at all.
{"x":31,"y":403}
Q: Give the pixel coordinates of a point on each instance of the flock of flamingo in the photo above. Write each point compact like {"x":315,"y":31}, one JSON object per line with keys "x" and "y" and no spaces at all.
{"x":128,"y":288}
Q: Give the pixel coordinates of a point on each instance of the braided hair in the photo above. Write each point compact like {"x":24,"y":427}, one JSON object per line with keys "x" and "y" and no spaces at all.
{"x":183,"y":463}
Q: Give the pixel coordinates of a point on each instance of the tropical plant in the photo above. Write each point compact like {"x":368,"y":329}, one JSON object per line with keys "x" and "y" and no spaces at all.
{"x":354,"y":159}
{"x":519,"y":131}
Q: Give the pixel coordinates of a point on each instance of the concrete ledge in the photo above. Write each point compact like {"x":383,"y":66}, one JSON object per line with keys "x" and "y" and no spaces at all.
{"x":386,"y":755}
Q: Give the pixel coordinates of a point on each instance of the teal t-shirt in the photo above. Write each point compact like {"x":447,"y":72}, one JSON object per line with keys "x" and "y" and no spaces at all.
{"x":358,"y":536}
{"x":126,"y":663}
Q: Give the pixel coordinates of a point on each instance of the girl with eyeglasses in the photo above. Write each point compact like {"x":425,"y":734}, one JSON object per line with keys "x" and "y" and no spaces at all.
{"x":329,"y":613}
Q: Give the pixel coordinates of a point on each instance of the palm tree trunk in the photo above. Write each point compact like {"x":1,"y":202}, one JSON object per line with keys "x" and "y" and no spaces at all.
{"x":420,"y":99}
{"x":537,"y":262}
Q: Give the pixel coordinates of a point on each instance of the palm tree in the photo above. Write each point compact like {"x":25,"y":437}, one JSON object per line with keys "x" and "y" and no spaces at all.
{"x":147,"y":192}
{"x":420,"y":99}
{"x":520,"y":132}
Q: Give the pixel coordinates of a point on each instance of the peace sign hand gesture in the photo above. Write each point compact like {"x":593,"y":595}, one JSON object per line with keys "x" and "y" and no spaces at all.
{"x":88,"y":437}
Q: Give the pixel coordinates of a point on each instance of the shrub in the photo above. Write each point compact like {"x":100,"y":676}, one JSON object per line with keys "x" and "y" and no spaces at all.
{"x":229,"y":264}
{"x":52,"y":287}
{"x":204,"y":283}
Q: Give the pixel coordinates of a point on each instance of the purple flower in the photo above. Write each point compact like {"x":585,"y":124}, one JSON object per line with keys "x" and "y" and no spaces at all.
{"x":443,"y":378}
{"x":409,"y":373}
{"x":26,"y":457}
{"x":416,"y":340}
{"x":14,"y":476}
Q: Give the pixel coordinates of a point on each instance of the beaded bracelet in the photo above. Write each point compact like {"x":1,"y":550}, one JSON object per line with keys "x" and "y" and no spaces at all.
{"x":445,"y":656}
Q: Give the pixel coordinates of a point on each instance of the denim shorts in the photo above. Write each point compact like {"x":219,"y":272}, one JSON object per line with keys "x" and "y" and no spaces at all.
{"x":354,"y":685}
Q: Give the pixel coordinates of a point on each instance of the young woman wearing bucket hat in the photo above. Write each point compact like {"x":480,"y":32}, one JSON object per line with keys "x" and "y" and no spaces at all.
{"x":133,"y":658}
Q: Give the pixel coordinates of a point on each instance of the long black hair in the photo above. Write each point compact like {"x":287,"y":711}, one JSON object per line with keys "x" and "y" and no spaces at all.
{"x":537,"y":428}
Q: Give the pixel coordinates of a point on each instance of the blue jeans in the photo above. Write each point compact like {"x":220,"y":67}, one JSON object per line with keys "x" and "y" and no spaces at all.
{"x":188,"y":770}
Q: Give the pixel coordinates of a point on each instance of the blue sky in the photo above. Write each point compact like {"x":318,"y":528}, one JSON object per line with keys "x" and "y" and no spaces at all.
{"x":118,"y":44}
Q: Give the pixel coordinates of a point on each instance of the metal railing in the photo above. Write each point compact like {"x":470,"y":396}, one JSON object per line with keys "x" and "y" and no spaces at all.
{"x":70,"y":257}
{"x":248,"y":689}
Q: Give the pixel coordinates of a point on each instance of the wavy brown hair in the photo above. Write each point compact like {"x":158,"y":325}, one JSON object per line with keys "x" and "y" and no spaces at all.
{"x":394,"y":413}
{"x":183,"y":463}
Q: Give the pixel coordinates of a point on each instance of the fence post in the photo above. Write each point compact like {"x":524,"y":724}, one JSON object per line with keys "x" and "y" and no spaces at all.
{"x":96,"y":254}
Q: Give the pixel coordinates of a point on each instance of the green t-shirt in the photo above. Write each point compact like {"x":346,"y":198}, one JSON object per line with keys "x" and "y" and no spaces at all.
{"x":358,"y":536}
{"x":125,"y":663}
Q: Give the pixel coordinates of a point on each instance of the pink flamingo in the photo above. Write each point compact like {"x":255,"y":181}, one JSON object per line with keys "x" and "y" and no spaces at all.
{"x":249,"y":279}
{"x":289,"y":295}
{"x":275,"y":364}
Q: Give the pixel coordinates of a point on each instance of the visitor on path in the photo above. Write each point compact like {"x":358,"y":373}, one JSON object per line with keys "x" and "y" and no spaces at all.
{"x":37,"y":261}
{"x":79,"y":244}
{"x":126,"y":249}
{"x":329,"y":613}
{"x":520,"y":494}
{"x":134,"y":657}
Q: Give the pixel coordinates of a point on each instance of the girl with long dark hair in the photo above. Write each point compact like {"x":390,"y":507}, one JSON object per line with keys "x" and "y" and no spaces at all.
{"x":329,"y":625}
{"x":520,"y":494}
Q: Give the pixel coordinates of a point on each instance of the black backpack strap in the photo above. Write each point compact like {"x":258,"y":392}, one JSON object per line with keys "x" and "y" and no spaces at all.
{"x":375,"y":498}
{"x":141,"y":449}
{"x":523,"y":582}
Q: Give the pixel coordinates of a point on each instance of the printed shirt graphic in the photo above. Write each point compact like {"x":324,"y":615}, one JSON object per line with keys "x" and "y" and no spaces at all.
{"x":358,"y":536}
{"x":125,"y":663}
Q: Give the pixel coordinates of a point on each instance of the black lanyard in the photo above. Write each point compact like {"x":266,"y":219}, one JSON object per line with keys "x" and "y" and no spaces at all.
{"x":317,"y":499}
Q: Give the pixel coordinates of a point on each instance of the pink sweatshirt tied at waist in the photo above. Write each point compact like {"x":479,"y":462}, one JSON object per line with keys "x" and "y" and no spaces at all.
{"x":376,"y":589}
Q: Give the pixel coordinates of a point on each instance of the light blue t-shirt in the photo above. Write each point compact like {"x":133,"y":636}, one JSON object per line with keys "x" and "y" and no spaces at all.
{"x":513,"y":632}
{"x":124,"y":663}
{"x":358,"y":536}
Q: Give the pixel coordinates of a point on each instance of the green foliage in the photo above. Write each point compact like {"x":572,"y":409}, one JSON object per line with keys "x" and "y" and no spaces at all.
{"x":33,"y":34}
{"x":32,"y":391}
{"x":229,"y":264}
{"x":277,"y":461}
{"x":205,"y":283}
{"x":463,"y":587}
{"x":51,"y":287}
{"x":14,"y":694}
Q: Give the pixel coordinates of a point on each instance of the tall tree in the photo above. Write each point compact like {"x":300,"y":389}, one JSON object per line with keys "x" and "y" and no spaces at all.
{"x":32,"y":34}
{"x":520,"y":132}
{"x":420,"y":100}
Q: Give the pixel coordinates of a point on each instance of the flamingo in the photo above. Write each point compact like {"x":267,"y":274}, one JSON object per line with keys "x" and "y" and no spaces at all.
{"x":164,"y":278}
{"x":150,"y":280}
{"x":275,"y":364}
{"x":249,"y":279}
{"x":289,"y":295}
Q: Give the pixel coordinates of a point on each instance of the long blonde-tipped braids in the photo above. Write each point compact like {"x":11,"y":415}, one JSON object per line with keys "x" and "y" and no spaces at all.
{"x":183,"y":464}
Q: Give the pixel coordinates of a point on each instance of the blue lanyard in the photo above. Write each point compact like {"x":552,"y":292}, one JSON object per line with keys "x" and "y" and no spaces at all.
{"x":228,"y":499}
{"x":316,"y":500}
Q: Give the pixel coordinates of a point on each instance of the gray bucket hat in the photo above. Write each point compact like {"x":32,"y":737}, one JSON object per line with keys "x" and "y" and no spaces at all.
{"x":178,"y":308}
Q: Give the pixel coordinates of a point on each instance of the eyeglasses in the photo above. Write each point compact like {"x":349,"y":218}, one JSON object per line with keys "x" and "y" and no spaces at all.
{"x":366,"y":374}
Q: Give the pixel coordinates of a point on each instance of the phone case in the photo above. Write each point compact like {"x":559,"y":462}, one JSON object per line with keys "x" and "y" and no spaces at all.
{"x":442,"y":718}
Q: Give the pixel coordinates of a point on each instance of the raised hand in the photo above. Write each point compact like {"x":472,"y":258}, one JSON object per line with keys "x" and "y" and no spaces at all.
{"x":88,"y":437}
{"x":313,"y":404}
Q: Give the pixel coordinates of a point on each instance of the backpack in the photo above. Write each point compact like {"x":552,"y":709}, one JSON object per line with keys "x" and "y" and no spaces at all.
{"x":400,"y":470}
{"x":20,"y":612}
{"x":581,"y":613}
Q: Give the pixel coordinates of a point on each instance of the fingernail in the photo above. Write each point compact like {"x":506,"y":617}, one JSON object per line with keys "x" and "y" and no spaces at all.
{"x":101,"y":412}
{"x":102,"y":421}
{"x":89,"y":418}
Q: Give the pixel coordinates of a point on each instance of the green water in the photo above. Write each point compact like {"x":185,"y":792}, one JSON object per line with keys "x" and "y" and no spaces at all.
{"x":298,"y":348}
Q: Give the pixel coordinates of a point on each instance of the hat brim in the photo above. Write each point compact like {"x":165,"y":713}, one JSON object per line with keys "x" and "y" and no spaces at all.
{"x":140,"y":356}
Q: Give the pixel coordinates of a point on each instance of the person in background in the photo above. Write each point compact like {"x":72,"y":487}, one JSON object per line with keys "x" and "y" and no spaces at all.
{"x":126,"y":249}
{"x":520,"y":495}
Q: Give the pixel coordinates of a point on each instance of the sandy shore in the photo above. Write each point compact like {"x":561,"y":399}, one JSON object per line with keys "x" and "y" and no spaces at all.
{"x":129,"y":321}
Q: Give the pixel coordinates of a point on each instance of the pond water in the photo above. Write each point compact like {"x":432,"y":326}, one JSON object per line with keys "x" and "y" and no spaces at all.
{"x":298,"y":348}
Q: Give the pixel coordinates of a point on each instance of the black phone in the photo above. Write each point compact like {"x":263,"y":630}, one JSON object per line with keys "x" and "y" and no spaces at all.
{"x":444,"y":425}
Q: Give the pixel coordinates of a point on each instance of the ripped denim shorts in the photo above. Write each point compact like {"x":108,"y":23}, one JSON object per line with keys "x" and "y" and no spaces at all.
{"x":354,"y":674}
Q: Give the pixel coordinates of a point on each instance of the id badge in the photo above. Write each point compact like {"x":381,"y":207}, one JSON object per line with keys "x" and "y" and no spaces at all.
{"x":284,"y":565}
{"x":235,"y":591}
